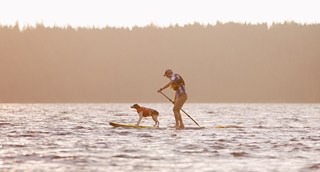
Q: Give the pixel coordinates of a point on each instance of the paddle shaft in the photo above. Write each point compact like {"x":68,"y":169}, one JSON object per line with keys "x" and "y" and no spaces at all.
{"x":181,"y":108}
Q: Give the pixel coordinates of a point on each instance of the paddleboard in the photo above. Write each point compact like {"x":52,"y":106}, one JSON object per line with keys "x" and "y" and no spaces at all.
{"x":227,"y":126}
{"x":115,"y":124}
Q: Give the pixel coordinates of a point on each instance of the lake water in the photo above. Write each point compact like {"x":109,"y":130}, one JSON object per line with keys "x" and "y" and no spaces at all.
{"x":77,"y":137}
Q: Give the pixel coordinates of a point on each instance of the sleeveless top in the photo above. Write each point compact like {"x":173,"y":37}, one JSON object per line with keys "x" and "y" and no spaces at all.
{"x":179,"y":86}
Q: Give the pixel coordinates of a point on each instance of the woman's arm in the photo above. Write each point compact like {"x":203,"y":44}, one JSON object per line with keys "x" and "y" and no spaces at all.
{"x":166,"y":86}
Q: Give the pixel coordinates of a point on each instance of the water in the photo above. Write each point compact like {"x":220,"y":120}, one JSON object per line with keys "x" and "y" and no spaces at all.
{"x":77,"y":137}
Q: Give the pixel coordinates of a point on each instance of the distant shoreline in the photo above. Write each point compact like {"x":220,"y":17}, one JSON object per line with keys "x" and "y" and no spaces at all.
{"x":23,"y":27}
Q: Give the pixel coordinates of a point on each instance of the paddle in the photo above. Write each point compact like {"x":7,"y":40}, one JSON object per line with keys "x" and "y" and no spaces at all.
{"x":181,"y":109}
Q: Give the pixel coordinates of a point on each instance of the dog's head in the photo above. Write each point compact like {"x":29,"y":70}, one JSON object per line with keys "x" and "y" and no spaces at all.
{"x":135,"y":106}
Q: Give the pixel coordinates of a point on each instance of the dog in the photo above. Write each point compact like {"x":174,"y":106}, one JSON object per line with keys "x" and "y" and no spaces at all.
{"x":145,"y":112}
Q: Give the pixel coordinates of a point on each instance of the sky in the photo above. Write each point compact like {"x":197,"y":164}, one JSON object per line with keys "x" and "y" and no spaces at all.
{"x":129,"y":13}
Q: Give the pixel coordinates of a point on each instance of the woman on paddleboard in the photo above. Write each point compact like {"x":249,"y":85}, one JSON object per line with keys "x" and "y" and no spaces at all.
{"x":177,"y":84}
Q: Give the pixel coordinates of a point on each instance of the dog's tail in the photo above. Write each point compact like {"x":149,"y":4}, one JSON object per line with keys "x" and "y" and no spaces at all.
{"x":155,"y":112}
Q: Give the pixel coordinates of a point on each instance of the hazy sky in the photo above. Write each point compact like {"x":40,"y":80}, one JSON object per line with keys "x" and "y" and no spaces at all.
{"x":160,"y":12}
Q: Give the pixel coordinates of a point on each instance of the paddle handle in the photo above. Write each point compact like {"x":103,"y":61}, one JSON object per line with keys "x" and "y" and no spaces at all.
{"x":167,"y":97}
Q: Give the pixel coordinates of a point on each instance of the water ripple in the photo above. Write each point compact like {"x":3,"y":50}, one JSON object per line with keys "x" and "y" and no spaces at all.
{"x":77,"y":137}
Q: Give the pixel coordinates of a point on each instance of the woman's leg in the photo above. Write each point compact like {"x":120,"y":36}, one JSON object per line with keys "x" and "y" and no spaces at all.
{"x":176,"y":110}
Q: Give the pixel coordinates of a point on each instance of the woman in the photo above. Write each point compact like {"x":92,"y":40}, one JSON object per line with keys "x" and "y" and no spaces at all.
{"x":177,"y":84}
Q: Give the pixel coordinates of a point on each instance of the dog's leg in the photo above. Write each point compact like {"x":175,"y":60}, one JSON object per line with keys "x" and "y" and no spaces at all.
{"x":138,"y":123}
{"x":140,"y":118}
{"x":155,"y":119}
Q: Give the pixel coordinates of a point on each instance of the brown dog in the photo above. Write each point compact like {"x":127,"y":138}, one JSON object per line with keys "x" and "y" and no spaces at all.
{"x":145,"y":112}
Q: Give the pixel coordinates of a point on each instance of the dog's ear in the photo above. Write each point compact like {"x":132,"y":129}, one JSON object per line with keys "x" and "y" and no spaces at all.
{"x":136,"y":106}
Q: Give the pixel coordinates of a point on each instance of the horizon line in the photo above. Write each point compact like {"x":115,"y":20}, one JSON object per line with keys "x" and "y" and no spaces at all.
{"x":23,"y":27}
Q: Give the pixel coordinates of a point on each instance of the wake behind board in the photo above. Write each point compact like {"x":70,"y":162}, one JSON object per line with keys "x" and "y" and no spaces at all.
{"x":115,"y":124}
